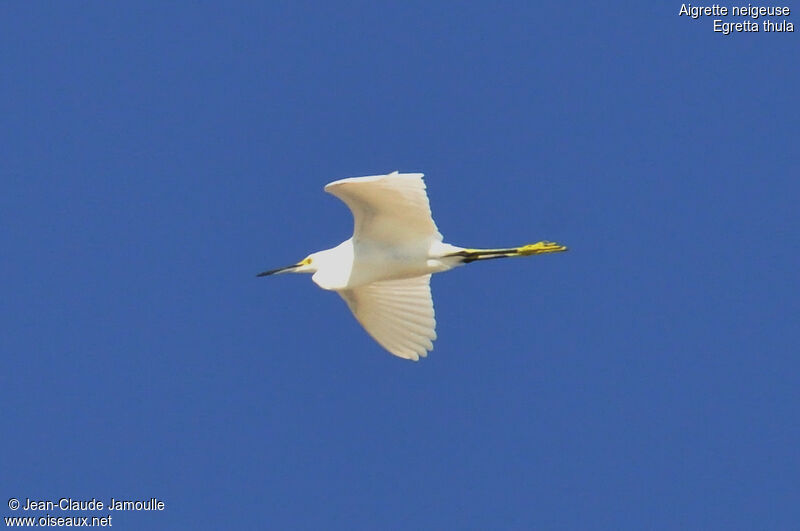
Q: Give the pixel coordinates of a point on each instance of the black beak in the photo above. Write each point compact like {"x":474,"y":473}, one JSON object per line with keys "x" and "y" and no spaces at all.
{"x":279,"y":270}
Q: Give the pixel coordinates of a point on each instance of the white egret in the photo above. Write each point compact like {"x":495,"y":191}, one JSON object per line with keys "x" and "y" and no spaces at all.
{"x":383,"y":271}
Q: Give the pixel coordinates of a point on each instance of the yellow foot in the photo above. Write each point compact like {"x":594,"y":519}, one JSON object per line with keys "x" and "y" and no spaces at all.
{"x":540,"y":248}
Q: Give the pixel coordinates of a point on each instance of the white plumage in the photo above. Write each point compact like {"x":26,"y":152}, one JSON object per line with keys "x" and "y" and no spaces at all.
{"x":383,"y":271}
{"x":392,"y":208}
{"x":398,"y":314}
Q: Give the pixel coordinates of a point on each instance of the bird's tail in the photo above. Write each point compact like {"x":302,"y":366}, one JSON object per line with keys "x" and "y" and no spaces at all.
{"x":471,"y":255}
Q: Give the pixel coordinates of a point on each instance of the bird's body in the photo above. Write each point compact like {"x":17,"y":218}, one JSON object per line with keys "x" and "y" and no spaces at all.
{"x":355,"y":263}
{"x":383,"y":271}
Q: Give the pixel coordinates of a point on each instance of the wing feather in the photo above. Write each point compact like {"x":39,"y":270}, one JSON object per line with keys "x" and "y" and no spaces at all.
{"x":398,"y":314}
{"x":391,"y":209}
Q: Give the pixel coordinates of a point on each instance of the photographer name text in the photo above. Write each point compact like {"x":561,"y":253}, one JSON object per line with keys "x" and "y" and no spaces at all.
{"x":70,"y":504}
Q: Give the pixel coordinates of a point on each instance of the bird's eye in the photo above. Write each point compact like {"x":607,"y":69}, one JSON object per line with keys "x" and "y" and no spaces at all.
{"x":307,"y":261}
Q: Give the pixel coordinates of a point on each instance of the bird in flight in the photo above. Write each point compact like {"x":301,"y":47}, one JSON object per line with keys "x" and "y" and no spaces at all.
{"x":383,"y":271}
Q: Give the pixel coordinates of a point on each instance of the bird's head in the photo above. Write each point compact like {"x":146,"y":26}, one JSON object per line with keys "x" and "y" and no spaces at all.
{"x":306,"y":265}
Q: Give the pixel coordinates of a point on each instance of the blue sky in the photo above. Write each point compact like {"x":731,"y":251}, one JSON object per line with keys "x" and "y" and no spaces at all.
{"x":154,"y":157}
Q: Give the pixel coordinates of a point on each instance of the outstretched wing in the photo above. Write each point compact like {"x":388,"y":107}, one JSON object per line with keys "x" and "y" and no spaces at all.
{"x":391,"y":209}
{"x":398,"y":314}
